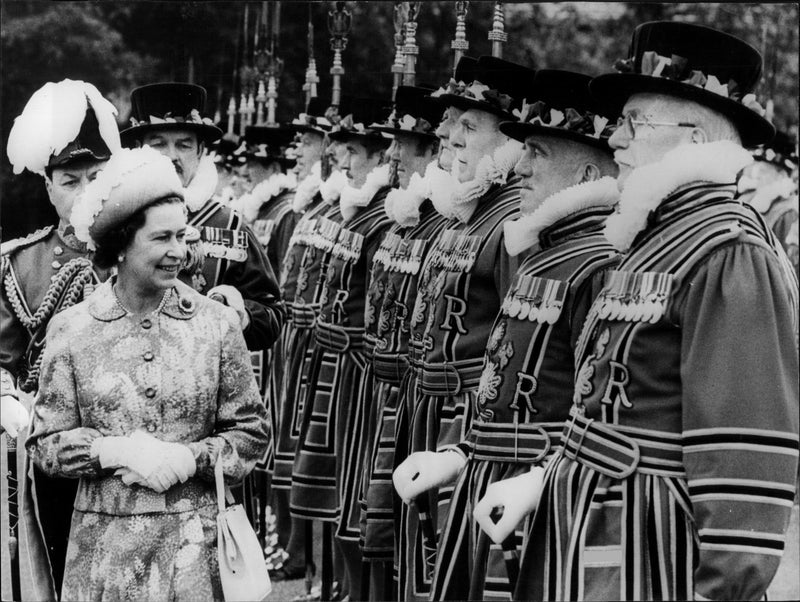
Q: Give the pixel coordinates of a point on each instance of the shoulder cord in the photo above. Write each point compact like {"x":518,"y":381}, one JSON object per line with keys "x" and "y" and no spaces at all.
{"x":71,"y":280}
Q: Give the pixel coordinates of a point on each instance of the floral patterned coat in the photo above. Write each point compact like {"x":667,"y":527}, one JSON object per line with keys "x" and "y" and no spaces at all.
{"x":181,"y":373}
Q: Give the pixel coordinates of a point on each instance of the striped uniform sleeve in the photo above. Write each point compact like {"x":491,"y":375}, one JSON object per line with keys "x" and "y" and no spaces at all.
{"x":739,"y":367}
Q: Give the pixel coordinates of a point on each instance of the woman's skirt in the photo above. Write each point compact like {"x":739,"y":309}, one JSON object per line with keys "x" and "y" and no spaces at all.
{"x":143,"y":557}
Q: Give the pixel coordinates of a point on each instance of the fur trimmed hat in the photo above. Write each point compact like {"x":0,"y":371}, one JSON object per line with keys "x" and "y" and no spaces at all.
{"x":131,"y":180}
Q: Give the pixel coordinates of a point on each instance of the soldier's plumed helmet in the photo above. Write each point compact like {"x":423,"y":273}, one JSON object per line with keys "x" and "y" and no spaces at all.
{"x":83,"y":128}
{"x":692,"y":62}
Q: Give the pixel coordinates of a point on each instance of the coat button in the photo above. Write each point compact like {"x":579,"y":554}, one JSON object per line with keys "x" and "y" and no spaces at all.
{"x":58,"y":251}
{"x":150,"y":392}
{"x":56,"y":264}
{"x":148,"y":356}
{"x":147,"y":323}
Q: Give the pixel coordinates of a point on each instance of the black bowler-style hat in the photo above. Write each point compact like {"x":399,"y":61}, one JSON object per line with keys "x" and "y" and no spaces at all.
{"x":498,"y":87}
{"x":314,"y":119}
{"x":229,"y":150}
{"x":357,"y":119}
{"x":169,"y":106}
{"x":781,"y":152}
{"x":465,"y":72}
{"x":558,"y":103}
{"x":693,"y":62}
{"x":414,"y":113}
{"x":268,"y":143}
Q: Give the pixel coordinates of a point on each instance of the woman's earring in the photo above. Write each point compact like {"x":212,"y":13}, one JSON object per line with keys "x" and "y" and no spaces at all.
{"x":120,"y":258}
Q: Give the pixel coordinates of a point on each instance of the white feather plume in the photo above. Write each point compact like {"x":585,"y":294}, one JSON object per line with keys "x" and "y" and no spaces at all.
{"x":52,"y":119}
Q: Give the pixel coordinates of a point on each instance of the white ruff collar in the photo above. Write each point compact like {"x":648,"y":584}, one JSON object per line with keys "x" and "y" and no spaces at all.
{"x":352,"y":199}
{"x":523,"y":233}
{"x":307,"y":188}
{"x":225,"y":196}
{"x":441,"y":184}
{"x":402,"y":205}
{"x":463,"y":199}
{"x":331,"y":189}
{"x":249,"y":204}
{"x":763,"y":197}
{"x":647,"y":186}
{"x":202,"y":186}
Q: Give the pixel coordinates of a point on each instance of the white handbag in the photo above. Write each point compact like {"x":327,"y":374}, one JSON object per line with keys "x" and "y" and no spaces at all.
{"x":242,"y":568}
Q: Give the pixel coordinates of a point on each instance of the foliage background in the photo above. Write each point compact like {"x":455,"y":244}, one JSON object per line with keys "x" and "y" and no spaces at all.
{"x":118,"y":45}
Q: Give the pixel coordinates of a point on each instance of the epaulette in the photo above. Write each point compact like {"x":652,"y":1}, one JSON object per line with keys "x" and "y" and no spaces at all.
{"x":15,"y":244}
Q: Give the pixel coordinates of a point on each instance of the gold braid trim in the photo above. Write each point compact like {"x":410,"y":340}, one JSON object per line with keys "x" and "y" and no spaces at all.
{"x":68,"y":286}
{"x":54,"y":292}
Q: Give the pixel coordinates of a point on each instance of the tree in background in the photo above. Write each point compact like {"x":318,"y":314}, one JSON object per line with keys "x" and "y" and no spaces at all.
{"x":119,"y":45}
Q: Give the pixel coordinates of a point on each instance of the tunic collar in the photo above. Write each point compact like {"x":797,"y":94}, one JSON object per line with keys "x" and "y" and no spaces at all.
{"x":463,"y":199}
{"x":672,"y":182}
{"x":573,"y":210}
{"x":353,"y":199}
{"x":67,"y":235}
{"x":181,"y":302}
{"x":203,"y":184}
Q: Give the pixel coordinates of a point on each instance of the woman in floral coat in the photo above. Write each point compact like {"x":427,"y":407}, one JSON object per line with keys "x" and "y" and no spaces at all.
{"x":145,"y":386}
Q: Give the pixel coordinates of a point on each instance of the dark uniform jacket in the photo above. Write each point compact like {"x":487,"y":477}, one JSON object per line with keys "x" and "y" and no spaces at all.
{"x":233,"y":256}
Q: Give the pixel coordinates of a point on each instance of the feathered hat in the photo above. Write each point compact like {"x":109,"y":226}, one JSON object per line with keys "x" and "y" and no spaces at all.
{"x":697,"y":63}
{"x":414,"y":113}
{"x":269,"y":143}
{"x":166,"y":106}
{"x":558,"y":103}
{"x":359,"y":117}
{"x":63,"y":123}
{"x":314,"y":119}
{"x":498,"y":87}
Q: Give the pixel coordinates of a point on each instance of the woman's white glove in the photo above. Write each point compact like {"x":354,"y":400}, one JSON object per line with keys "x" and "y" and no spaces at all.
{"x":114,"y":452}
{"x":145,"y":460}
{"x":517,"y":496}
{"x":13,"y":415}
{"x":425,"y":470}
{"x":230,"y":296}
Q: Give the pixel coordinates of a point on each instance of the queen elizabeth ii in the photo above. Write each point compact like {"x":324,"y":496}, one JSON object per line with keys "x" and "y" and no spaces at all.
{"x":145,"y":386}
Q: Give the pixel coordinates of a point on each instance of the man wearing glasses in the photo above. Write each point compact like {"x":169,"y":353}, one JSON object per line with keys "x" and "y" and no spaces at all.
{"x":678,"y":464}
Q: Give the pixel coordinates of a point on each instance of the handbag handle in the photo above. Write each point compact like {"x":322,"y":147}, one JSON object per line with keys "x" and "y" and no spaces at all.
{"x":223,"y":492}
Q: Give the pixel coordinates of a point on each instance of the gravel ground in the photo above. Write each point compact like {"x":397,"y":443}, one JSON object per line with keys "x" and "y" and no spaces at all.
{"x":785,"y":586}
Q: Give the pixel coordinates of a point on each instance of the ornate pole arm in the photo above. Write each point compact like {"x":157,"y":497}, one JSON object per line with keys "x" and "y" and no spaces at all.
{"x":339,"y":21}
{"x":497,"y":35}
{"x":400,"y":17}
{"x":460,"y":45}
{"x":312,"y":79}
{"x":410,"y":49}
{"x":231,"y":114}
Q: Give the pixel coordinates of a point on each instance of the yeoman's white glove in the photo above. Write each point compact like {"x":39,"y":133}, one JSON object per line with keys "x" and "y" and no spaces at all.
{"x":13,"y":415}
{"x":517,"y":496}
{"x":425,"y":470}
{"x":230,"y":296}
